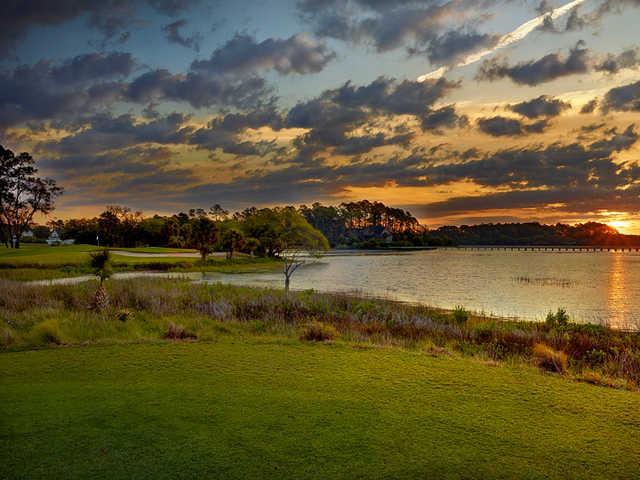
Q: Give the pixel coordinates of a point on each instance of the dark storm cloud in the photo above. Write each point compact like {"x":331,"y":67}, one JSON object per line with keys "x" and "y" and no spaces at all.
{"x":614,"y":63}
{"x":503,"y":126}
{"x":174,"y":35}
{"x":243,"y":54}
{"x":546,"y":69}
{"x":109,"y":17}
{"x":108,"y":133}
{"x":542,"y":106}
{"x":624,"y":98}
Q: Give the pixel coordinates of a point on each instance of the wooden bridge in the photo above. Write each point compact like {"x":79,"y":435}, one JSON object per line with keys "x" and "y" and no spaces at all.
{"x":549,"y":248}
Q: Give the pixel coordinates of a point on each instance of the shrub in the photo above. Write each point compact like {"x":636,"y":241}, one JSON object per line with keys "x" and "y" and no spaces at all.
{"x":560,"y":319}
{"x":178,"y":332}
{"x":47,"y":332}
{"x":7,"y":337}
{"x":125,"y":315}
{"x":318,"y":332}
{"x":549,"y":359}
{"x":596,"y":357}
{"x":460,"y":315}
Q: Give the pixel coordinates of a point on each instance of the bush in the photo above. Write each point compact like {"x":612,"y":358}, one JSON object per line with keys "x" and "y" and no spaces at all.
{"x":125,"y":315}
{"x":178,"y":332}
{"x":560,"y":319}
{"x":7,"y":337}
{"x":460,"y":315}
{"x":318,"y":332}
{"x":47,"y":332}
{"x":549,"y":359}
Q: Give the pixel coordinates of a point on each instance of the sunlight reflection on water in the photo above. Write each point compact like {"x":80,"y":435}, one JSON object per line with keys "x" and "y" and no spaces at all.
{"x":597,"y":287}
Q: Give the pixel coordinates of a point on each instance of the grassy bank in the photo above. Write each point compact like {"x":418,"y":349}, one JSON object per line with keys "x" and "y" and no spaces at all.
{"x":41,"y":262}
{"x":264,"y":407}
{"x":152,"y":309}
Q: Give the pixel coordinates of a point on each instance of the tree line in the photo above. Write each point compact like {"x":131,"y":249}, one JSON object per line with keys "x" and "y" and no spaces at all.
{"x":262,"y":231}
{"x":532,"y":233}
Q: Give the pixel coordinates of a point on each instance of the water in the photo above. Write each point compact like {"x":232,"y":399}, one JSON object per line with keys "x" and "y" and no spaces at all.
{"x":596,"y":287}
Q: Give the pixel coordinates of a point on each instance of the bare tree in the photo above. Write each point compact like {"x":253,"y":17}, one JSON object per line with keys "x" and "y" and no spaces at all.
{"x":22,"y":193}
{"x":300,"y":243}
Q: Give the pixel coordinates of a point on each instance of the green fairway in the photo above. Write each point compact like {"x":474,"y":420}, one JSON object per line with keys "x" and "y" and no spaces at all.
{"x":261,"y":407}
{"x":39,"y":254}
{"x":42,"y":262}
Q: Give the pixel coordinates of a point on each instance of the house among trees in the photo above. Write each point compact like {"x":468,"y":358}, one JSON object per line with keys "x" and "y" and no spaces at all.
{"x":54,"y":240}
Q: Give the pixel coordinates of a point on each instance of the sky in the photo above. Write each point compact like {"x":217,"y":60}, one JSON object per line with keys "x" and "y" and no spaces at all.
{"x":461,"y":111}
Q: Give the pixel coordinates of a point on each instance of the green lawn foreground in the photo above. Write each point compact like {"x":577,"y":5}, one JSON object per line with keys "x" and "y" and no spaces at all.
{"x":262,"y":407}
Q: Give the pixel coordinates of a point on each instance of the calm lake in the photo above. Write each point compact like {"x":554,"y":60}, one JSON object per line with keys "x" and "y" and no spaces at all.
{"x":597,"y":287}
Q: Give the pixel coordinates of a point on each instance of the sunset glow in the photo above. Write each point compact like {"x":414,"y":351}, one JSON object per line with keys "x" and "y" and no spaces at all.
{"x":532,"y":114}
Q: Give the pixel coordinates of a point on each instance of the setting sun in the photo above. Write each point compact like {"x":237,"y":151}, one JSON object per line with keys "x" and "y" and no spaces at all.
{"x":623,"y":226}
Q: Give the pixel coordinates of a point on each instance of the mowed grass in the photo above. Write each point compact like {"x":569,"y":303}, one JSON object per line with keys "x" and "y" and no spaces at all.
{"x":40,"y":254}
{"x":263,"y":407}
{"x":42,"y":262}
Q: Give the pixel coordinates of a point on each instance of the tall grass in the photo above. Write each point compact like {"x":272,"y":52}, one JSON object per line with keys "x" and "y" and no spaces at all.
{"x":145,"y":309}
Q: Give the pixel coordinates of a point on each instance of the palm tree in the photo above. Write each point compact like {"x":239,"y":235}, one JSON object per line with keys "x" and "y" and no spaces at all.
{"x":101,"y":265}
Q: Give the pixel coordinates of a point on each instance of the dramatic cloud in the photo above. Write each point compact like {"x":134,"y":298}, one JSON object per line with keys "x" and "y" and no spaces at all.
{"x":626,"y":98}
{"x":548,"y":68}
{"x":543,"y":106}
{"x":422,"y":27}
{"x":89,"y":83}
{"x":331,"y":116}
{"x":536,"y":176}
{"x":614,"y":63}
{"x":503,"y":126}
{"x":108,"y":17}
{"x":242,"y":54}
{"x":199,"y":90}
{"x":174,"y":35}
{"x":45,"y":91}
{"x":544,"y":22}
{"x":454,"y":45}
{"x":224,"y":133}
{"x":107,"y":133}
{"x":590,"y":106}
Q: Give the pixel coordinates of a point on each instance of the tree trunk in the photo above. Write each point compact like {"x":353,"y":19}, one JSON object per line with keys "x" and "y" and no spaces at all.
{"x":287,"y":281}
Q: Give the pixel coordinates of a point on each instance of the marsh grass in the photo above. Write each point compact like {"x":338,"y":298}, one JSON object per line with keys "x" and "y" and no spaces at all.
{"x":144,"y":310}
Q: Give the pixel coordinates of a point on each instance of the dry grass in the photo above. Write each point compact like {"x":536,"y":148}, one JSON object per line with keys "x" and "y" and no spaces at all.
{"x":142,"y":309}
{"x":549,"y":359}
{"x":318,"y":332}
